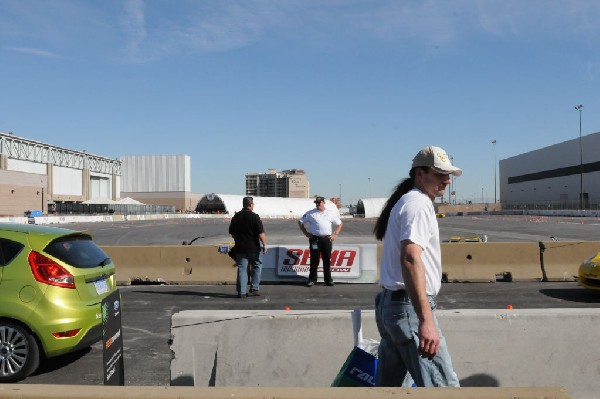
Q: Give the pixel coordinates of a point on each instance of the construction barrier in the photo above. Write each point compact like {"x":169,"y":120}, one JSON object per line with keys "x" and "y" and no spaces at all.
{"x":489,"y":347}
{"x":171,"y":264}
{"x":96,"y":392}
{"x":462,"y":262}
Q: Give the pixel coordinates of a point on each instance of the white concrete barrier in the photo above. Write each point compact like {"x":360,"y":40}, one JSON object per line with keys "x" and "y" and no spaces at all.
{"x":45,"y":391}
{"x":501,"y":348}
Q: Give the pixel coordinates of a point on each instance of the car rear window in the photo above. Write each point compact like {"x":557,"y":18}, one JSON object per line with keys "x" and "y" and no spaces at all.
{"x":9,"y":250}
{"x":77,"y":251}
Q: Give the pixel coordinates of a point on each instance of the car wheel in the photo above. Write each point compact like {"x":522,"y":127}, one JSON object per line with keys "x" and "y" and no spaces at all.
{"x":19,"y":352}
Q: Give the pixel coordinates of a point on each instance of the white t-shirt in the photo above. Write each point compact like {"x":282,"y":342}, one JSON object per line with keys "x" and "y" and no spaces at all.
{"x":412,"y":218}
{"x":319,"y":223}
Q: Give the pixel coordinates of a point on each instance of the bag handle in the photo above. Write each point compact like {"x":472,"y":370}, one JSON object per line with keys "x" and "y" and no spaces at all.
{"x":357,"y":326}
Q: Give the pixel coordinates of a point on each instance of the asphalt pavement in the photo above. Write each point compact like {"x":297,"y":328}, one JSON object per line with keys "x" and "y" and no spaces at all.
{"x":147,"y":309}
{"x":147,"y":312}
{"x":497,"y":228}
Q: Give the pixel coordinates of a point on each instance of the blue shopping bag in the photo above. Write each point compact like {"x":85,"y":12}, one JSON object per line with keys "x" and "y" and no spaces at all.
{"x":358,"y":370}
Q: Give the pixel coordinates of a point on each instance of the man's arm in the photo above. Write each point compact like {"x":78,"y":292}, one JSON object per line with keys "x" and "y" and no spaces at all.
{"x":413,"y":271}
{"x":303,"y":228}
{"x":263,"y":239}
{"x":336,"y":232}
{"x":231,"y":230}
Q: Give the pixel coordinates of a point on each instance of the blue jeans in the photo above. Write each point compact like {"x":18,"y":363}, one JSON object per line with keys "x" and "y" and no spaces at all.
{"x":242,"y":262}
{"x":398,"y":326}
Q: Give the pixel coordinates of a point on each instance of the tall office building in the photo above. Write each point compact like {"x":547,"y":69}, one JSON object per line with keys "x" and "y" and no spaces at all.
{"x":291,"y":183}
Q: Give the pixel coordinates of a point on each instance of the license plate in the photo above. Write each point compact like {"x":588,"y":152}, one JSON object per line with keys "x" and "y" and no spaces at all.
{"x":101,"y":286}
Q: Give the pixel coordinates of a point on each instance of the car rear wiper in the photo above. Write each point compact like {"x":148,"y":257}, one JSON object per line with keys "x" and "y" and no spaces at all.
{"x":105,"y":262}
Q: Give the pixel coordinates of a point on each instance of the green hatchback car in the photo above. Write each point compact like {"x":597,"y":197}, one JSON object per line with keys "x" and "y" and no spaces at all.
{"x":52,"y":282}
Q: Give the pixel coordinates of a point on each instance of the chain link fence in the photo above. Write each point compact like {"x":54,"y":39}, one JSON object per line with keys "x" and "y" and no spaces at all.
{"x":591,"y":205}
{"x":111,"y":209}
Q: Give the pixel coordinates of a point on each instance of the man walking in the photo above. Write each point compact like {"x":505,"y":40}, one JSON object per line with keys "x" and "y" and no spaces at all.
{"x":246,"y":228}
{"x":320,"y":238}
{"x":411,"y":275}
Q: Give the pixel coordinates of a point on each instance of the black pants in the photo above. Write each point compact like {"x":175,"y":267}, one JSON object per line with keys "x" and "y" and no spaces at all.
{"x":322,"y":250}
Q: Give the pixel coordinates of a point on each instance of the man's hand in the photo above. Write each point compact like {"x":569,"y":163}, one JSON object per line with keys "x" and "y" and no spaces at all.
{"x":429,"y":339}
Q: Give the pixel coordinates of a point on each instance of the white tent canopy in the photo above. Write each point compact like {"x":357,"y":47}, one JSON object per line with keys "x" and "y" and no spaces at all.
{"x":264,"y":206}
{"x":372,"y":206}
{"x":124,"y":201}
{"x":100,"y":200}
{"x":129,"y":200}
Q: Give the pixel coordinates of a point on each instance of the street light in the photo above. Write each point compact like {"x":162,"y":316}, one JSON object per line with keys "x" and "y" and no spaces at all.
{"x":340,"y":194}
{"x":495,"y":183}
{"x":579,"y":107}
{"x":369,"y":186}
{"x":453,"y":191}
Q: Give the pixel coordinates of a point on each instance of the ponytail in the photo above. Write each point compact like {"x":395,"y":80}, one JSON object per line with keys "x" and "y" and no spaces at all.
{"x":405,"y":186}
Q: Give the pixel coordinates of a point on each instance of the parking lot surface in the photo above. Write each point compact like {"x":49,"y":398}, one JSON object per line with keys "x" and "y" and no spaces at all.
{"x":147,"y":309}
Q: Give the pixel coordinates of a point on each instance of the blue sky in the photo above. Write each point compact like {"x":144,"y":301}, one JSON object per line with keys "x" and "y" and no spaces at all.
{"x":348,"y":90}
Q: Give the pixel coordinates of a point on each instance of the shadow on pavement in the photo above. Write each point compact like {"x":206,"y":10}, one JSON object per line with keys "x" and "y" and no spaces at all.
{"x":573,"y":295}
{"x":49,"y":365}
{"x":479,"y":380}
{"x":189,"y":293}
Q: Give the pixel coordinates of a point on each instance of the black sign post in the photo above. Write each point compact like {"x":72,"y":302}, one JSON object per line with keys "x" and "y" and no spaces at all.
{"x":112,"y":340}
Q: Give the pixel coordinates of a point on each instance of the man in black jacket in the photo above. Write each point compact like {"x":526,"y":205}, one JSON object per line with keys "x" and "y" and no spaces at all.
{"x":246,"y":228}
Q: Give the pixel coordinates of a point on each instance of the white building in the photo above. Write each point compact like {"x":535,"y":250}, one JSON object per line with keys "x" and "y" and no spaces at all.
{"x":159,"y":180}
{"x":554,"y":175}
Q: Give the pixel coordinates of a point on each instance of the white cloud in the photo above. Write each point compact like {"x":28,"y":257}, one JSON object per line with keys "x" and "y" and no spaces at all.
{"x":593,"y":70}
{"x":143,"y":31}
{"x":133,"y":23}
{"x":31,"y":51}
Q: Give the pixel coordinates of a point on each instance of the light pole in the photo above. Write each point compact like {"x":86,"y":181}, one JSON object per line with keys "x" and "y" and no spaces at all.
{"x":495,"y":183}
{"x":369,"y":186}
{"x":579,"y":107}
{"x":450,"y":192}
{"x":453,"y":190}
{"x":340,"y":195}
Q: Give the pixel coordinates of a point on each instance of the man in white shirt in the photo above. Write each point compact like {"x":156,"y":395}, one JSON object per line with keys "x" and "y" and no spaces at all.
{"x":411,"y":275}
{"x":320,"y":238}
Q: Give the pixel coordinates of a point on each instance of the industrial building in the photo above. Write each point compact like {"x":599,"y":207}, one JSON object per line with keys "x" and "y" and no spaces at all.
{"x":36,"y":176}
{"x":159,"y":180}
{"x":40,"y":176}
{"x":561,"y":176}
{"x":291,"y":183}
{"x":48,"y":178}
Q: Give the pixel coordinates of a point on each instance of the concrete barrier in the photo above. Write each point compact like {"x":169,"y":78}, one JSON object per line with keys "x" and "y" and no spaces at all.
{"x":8,"y":391}
{"x":489,"y":348}
{"x":462,"y":262}
{"x":562,"y":259}
{"x":487,"y":261}
{"x":172,"y":264}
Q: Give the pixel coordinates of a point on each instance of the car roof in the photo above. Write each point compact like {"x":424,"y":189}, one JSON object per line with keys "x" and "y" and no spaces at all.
{"x":36,"y":229}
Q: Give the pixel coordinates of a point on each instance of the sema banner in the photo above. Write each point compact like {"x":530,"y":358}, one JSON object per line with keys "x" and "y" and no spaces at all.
{"x":295,"y":261}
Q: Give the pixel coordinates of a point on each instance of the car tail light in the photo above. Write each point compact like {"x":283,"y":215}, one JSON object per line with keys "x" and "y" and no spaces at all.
{"x":66,"y":334}
{"x":47,"y":271}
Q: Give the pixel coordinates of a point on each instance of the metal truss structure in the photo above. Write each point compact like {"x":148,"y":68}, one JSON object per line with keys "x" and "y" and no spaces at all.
{"x":35,"y":151}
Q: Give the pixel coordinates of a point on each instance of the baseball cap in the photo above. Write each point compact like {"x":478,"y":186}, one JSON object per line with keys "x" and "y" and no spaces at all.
{"x":318,"y":200}
{"x":436,"y":159}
